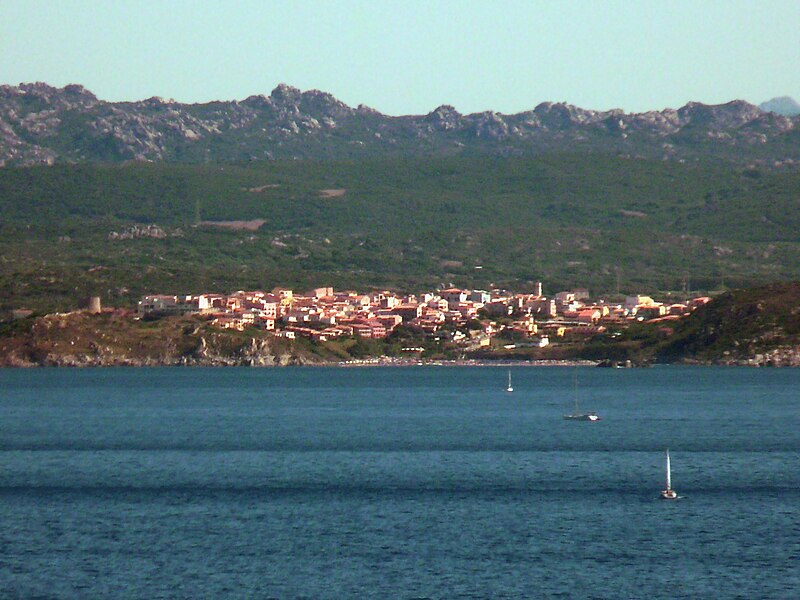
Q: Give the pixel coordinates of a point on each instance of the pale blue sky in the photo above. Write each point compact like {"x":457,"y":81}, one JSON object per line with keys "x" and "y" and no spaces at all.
{"x":408,"y":57}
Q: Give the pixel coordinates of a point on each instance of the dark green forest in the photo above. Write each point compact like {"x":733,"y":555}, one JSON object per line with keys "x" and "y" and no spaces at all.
{"x":612,"y":224}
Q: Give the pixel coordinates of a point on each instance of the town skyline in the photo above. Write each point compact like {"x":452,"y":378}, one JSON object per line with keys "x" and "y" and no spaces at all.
{"x":473,"y":318}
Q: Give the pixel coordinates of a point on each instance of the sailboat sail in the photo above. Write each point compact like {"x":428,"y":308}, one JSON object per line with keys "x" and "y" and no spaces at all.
{"x":669,"y":479}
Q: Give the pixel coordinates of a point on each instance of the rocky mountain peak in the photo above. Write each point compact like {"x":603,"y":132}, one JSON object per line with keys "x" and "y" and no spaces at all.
{"x":257,"y":101}
{"x":78,"y":90}
{"x":41,"y":124}
{"x":445,"y":111}
{"x":730,"y":114}
{"x":444,"y":118}
{"x":366,"y":110}
{"x":285,"y":94}
{"x":323,"y":104}
{"x":559,"y":115}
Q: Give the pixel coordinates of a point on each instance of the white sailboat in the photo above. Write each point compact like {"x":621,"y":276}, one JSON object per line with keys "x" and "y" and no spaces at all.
{"x":509,"y":388}
{"x":669,"y":493}
{"x":578,"y":415}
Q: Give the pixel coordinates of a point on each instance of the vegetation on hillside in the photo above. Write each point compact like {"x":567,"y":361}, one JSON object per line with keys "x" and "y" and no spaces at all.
{"x":760,"y":324}
{"x":608,"y":223}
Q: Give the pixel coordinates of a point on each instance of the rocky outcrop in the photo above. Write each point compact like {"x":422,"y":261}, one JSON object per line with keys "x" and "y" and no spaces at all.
{"x":41,"y":124}
{"x":79,"y":339}
{"x":785,"y":356}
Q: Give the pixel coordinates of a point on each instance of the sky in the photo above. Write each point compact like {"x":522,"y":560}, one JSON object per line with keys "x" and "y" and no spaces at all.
{"x":409,"y":56}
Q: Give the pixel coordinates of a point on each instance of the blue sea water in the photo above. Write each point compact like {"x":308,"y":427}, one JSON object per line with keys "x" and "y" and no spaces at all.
{"x":414,"y":482}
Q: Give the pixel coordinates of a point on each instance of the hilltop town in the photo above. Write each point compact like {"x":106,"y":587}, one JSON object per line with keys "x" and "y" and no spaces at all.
{"x":755,"y":327}
{"x":471,"y":319}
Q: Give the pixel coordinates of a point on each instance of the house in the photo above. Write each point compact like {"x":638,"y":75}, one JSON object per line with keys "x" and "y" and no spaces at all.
{"x":438,"y":303}
{"x":453,"y":295}
{"x":229,"y":322}
{"x":320,"y":292}
{"x":647,"y":313}
{"x":367,"y":328}
{"x":584,"y":330}
{"x":389,"y":301}
{"x":408,"y":312}
{"x":335,"y":332}
{"x":378,"y":328}
{"x":563,"y":298}
{"x":173,"y":305}
{"x":469,"y":309}
{"x":389,"y":321}
{"x":634,"y":301}
{"x":155,"y":304}
{"x":307,"y":332}
{"x":554,"y":329}
{"x":525,"y":326}
{"x":498,"y":308}
{"x":300,"y":315}
{"x":677,"y":309}
{"x":589,"y":316}
{"x":581,"y":294}
{"x":541,"y":307}
{"x":479,"y":296}
{"x":284,"y":294}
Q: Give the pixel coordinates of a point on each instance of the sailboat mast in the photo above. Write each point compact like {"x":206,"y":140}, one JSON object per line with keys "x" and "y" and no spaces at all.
{"x":575,"y":385}
{"x":669,"y":482}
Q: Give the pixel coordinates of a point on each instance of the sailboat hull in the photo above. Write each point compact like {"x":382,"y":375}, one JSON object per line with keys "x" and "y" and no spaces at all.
{"x":582,"y":417}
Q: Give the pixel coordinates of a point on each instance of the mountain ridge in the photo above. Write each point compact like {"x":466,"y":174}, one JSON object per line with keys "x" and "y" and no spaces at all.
{"x":42,"y":124}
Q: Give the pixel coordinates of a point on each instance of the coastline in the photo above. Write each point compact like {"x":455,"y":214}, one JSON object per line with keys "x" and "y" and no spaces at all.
{"x":219,"y":362}
{"x":390,"y":362}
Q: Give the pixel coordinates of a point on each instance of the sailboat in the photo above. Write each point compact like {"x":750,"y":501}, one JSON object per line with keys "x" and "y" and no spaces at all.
{"x":509,"y":388}
{"x":578,"y":415}
{"x":669,"y":493}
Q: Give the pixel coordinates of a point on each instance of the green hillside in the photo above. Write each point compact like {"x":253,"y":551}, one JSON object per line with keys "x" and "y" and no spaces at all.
{"x":599,"y":221}
{"x":760,"y":325}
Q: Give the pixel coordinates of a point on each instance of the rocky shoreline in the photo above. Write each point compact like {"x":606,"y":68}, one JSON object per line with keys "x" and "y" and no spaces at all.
{"x":784,"y":357}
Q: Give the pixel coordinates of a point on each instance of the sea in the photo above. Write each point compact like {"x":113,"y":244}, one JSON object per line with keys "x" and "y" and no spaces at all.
{"x":399,"y":482}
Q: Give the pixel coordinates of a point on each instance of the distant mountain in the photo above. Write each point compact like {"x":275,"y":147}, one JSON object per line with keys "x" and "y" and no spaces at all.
{"x":784,"y":105}
{"x":41,"y":124}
